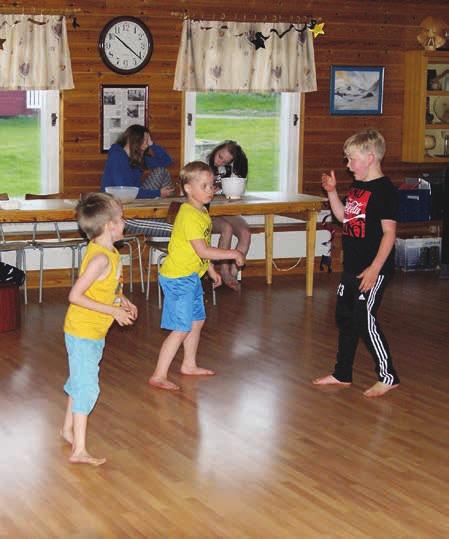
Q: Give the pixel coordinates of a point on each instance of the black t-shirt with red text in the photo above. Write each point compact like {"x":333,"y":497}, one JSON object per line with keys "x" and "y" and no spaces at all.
{"x":367,"y":203}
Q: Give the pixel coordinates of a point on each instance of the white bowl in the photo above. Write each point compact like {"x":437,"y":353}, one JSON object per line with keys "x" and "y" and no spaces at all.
{"x":123,"y":193}
{"x":233,"y":187}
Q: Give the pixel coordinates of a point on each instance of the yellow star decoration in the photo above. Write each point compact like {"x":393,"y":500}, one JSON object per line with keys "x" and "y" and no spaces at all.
{"x":317,"y":29}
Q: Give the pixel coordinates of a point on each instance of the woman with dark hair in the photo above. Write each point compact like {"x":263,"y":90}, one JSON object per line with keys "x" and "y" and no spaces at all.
{"x":225,"y":159}
{"x":135,"y":161}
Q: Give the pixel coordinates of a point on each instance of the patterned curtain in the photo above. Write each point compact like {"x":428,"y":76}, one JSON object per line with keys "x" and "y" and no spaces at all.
{"x":217,"y":56}
{"x":34,"y":53}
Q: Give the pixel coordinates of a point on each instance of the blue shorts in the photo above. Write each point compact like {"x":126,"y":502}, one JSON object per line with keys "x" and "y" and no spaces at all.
{"x":82,"y":383}
{"x":183,"y":302}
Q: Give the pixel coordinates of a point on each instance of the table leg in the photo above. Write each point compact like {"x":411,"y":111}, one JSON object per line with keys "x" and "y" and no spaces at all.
{"x":310,"y":250}
{"x":269,"y":225}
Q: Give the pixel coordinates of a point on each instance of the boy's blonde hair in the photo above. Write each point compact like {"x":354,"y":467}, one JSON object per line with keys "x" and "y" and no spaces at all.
{"x":94,"y":210}
{"x":369,"y":140}
{"x":191,"y":172}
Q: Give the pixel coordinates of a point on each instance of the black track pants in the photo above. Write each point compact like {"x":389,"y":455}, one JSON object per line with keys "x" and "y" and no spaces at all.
{"x":356,"y":317}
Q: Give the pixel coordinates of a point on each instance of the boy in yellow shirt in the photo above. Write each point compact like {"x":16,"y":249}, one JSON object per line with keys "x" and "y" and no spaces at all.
{"x":189,"y":255}
{"x":96,"y":300}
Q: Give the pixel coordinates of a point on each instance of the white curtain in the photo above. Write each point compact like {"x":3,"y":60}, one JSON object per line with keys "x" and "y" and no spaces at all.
{"x":245,"y":57}
{"x":34,"y":53}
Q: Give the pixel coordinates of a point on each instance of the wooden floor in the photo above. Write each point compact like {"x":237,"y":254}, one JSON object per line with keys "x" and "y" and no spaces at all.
{"x":255,"y":452}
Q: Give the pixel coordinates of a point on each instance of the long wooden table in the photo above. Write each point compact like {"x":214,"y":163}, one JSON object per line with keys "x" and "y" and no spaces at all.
{"x":307,"y":206}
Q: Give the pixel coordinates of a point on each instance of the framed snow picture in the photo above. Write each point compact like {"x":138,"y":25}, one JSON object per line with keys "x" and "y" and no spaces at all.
{"x":356,"y":90}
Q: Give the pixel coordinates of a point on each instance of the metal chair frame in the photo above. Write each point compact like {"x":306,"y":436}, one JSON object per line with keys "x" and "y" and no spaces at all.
{"x":74,"y":244}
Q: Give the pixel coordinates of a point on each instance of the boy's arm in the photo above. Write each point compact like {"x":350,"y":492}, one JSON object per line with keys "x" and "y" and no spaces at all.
{"x":96,"y":269}
{"x":369,"y":275}
{"x":214,"y":253}
{"x":329,"y":184}
{"x":216,"y":277}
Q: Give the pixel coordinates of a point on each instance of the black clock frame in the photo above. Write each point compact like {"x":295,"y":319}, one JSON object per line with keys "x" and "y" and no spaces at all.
{"x":102,"y":38}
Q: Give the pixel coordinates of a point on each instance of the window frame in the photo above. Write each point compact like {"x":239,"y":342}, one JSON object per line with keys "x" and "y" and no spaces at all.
{"x":290,"y":143}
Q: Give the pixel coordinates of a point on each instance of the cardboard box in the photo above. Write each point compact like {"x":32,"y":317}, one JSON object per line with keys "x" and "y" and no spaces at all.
{"x":418,"y":253}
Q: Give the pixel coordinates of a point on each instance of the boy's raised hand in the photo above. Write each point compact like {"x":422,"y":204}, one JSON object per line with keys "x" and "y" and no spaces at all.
{"x":328,"y":181}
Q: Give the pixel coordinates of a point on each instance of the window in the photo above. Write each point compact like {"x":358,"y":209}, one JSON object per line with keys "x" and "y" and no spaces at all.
{"x":29,"y":131}
{"x":265,"y":125}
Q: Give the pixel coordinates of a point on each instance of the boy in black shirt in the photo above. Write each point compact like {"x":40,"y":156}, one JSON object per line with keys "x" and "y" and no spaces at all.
{"x":369,"y":233}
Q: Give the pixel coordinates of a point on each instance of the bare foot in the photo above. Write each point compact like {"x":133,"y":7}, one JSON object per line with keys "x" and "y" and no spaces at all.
{"x":329,"y":380}
{"x":85,"y":458}
{"x":67,"y":435}
{"x":232,"y":283}
{"x":379,"y":389}
{"x":197,"y":371}
{"x":162,"y":383}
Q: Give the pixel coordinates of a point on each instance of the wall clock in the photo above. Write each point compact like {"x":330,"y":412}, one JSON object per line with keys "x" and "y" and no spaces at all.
{"x":125,"y":45}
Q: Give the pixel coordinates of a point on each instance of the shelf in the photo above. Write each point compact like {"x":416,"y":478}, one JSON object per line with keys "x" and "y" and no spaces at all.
{"x":437,"y":93}
{"x":435,"y":159}
{"x":437,"y":126}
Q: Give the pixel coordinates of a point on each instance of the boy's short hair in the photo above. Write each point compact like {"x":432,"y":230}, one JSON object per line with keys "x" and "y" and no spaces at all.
{"x":94,"y":210}
{"x":191,"y":171}
{"x":369,"y":140}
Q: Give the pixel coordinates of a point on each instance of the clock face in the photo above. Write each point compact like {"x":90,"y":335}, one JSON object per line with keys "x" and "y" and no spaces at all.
{"x":125,"y":45}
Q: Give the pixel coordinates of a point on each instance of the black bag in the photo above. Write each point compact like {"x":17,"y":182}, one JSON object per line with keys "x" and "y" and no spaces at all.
{"x":11,"y":274}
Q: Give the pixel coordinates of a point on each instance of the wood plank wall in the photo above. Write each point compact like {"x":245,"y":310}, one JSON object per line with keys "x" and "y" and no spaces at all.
{"x":369,"y":32}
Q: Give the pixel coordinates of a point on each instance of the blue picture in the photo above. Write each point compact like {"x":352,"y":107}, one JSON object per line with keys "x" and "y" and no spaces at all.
{"x":356,"y":90}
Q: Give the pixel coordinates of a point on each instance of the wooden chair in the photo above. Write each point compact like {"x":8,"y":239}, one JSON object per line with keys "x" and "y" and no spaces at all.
{"x":18,"y":247}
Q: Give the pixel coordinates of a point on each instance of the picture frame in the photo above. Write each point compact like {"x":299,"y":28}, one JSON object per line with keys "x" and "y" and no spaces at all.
{"x":356,"y":90}
{"x":121,"y":105}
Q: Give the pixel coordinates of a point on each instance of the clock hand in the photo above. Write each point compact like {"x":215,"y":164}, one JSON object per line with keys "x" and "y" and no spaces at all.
{"x":128,"y":47}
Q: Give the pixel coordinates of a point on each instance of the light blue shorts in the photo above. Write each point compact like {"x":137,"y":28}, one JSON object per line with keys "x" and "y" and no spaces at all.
{"x":82,"y":383}
{"x":183,"y":302}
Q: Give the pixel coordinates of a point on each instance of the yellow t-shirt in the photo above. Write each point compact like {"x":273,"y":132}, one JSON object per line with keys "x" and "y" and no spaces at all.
{"x":182,"y":260}
{"x":88,"y":324}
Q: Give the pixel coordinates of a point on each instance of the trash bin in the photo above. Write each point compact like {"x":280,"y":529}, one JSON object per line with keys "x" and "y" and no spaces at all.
{"x":9,"y":307}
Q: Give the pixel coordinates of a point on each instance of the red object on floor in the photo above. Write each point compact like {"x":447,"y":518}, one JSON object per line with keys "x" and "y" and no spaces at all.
{"x":9,"y":307}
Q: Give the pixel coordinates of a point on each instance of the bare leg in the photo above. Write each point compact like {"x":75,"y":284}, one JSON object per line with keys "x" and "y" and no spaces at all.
{"x":166,"y":355}
{"x":191,"y":343}
{"x":67,"y":430}
{"x":379,"y":389}
{"x":79,"y":452}
{"x":329,"y":380}
{"x":222,"y":227}
{"x":241,"y":230}
{"x":227,"y":227}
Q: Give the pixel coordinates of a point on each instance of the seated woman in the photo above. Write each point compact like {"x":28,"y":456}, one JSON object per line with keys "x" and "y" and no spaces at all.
{"x":225,"y":159}
{"x":131,"y":158}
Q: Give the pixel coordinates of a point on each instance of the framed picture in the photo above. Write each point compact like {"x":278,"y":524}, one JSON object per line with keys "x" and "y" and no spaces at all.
{"x":356,"y":90}
{"x":120,"y":107}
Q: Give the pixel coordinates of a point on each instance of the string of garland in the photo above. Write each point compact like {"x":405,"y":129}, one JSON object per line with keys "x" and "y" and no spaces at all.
{"x":258,"y":38}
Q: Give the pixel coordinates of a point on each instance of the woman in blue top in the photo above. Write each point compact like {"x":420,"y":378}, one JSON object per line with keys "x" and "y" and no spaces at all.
{"x":135,"y":161}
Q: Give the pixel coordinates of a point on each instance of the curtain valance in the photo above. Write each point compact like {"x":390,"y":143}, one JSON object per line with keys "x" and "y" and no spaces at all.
{"x":245,"y":57}
{"x":34,"y":53}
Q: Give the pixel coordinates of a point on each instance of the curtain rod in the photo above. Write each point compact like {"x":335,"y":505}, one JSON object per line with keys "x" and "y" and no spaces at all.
{"x":37,"y":11}
{"x":243,"y":17}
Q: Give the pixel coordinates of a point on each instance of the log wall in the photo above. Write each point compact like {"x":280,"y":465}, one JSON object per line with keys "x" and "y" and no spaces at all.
{"x":372,"y":32}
